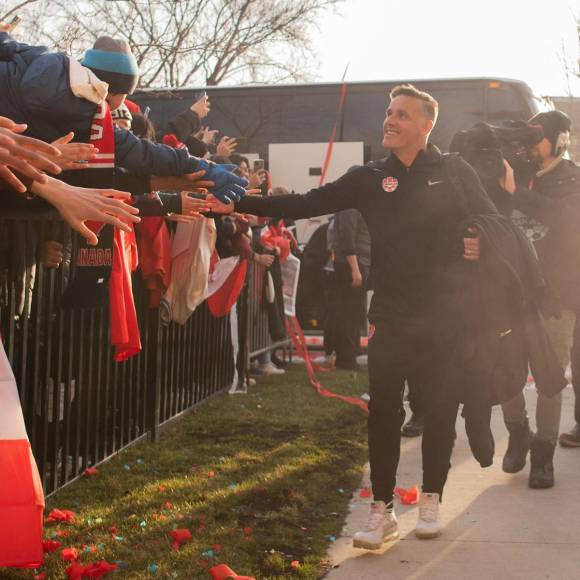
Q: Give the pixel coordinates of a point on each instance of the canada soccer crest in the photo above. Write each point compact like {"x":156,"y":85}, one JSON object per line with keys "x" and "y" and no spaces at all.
{"x":390,"y":184}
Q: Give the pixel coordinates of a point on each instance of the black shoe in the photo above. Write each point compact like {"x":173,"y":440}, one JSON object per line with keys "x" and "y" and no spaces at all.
{"x":519,"y":444}
{"x":413,"y":427}
{"x":572,"y":438}
{"x":541,"y":458}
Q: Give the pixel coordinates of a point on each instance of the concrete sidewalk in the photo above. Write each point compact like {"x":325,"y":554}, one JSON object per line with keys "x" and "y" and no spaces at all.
{"x":495,"y":526}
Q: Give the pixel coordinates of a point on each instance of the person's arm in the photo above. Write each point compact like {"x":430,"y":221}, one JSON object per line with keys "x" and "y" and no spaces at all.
{"x":185,"y":124}
{"x":330,"y":198}
{"x":162,"y":204}
{"x":143,"y":157}
{"x":345,"y":223}
{"x":531,"y":203}
{"x":355,"y":272}
{"x":476,"y":197}
{"x":477,"y":203}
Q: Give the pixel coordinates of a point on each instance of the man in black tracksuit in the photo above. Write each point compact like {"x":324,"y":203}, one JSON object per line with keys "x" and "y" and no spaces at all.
{"x":418,"y":256}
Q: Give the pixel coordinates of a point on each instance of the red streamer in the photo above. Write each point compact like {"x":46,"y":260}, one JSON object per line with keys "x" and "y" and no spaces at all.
{"x":299,"y":343}
{"x":334,"y":130}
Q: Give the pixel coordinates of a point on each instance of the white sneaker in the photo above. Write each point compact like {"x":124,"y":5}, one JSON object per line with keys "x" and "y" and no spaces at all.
{"x":381,"y":526}
{"x":271,"y":369}
{"x":429,"y":522}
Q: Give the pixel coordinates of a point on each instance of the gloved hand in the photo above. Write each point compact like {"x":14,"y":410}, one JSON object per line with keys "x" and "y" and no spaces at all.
{"x":228,"y":186}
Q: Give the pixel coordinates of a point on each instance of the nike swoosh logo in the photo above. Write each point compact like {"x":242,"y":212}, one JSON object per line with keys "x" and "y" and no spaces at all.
{"x":434,"y":182}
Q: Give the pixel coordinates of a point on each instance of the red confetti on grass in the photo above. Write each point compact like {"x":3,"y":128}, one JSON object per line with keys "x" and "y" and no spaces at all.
{"x":223,"y":572}
{"x":69,"y":554}
{"x":41,"y":576}
{"x":162,"y":488}
{"x":216,"y":547}
{"x":168,"y":505}
{"x":49,"y":546}
{"x":91,"y":471}
{"x":211,"y":474}
{"x":295,"y":564}
{"x":247,"y":531}
{"x":78,"y":571}
{"x":202,"y":563}
{"x":408,"y":496}
{"x":365,"y":492}
{"x":57,"y":515}
{"x":180,"y":536}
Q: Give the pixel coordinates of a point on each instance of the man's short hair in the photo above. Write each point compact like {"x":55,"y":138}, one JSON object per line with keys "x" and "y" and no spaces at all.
{"x":430,"y":105}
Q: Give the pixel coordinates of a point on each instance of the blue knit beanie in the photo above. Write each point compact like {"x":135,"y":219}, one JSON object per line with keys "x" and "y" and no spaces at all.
{"x":113,"y":62}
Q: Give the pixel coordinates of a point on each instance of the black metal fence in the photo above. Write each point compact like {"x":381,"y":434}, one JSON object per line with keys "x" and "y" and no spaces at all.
{"x":80,"y":405}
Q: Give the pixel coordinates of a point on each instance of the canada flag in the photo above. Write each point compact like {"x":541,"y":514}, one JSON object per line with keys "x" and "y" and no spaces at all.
{"x":390,"y":184}
{"x":21,"y":497}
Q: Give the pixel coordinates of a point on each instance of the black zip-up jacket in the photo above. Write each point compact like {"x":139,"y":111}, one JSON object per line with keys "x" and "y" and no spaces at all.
{"x":503,"y":333}
{"x":415,"y":243}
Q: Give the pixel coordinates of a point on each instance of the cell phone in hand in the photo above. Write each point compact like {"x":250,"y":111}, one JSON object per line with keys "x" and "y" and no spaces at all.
{"x":258,"y":165}
{"x":14,"y":23}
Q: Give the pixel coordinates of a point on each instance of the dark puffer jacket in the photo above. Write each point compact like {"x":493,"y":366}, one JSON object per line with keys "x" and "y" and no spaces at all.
{"x":36,"y":91}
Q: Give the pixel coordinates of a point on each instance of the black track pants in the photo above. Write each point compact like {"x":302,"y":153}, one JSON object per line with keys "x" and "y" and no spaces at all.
{"x":395,"y":353}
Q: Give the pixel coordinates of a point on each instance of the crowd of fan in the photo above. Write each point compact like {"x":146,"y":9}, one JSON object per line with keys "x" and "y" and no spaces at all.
{"x":70,"y":138}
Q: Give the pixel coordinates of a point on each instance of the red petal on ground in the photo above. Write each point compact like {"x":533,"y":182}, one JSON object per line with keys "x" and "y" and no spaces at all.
{"x":223,"y":572}
{"x":247,"y":531}
{"x":57,"y":515}
{"x":408,"y":496}
{"x":49,"y":546}
{"x":180,"y":536}
{"x":69,"y":554}
{"x":365,"y":492}
{"x":91,"y":471}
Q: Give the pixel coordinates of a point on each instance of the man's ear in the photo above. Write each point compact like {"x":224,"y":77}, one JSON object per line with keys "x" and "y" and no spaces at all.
{"x":428,"y":127}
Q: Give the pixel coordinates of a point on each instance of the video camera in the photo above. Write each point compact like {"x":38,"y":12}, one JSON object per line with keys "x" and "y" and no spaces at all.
{"x":485,"y":147}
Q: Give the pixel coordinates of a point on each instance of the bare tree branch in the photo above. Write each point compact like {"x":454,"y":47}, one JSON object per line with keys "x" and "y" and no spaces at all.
{"x":201,"y":42}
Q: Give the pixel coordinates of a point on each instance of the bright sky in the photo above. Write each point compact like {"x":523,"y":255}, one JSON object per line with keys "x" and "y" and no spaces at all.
{"x":406,"y":39}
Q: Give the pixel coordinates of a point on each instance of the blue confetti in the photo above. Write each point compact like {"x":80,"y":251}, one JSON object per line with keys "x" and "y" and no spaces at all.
{"x":119,"y":538}
{"x":153,"y":568}
{"x":140,"y":461}
{"x":208,"y":554}
{"x":127,"y":467}
{"x":143,"y":524}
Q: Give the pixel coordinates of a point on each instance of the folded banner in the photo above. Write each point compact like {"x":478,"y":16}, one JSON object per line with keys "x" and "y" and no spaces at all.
{"x":21,"y":497}
{"x":290,"y":274}
{"x":299,"y":342}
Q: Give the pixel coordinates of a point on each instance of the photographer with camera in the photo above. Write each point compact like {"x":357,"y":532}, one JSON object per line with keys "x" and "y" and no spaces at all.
{"x":547,"y":209}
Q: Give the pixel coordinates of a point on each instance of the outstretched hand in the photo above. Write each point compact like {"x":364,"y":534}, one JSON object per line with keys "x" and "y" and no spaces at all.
{"x":217,"y":206}
{"x":31,"y":157}
{"x":188,"y":181}
{"x":78,"y":205}
{"x":73,"y":155}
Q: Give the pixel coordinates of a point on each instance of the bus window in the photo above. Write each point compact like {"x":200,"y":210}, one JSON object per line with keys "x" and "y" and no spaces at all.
{"x":506,"y":101}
